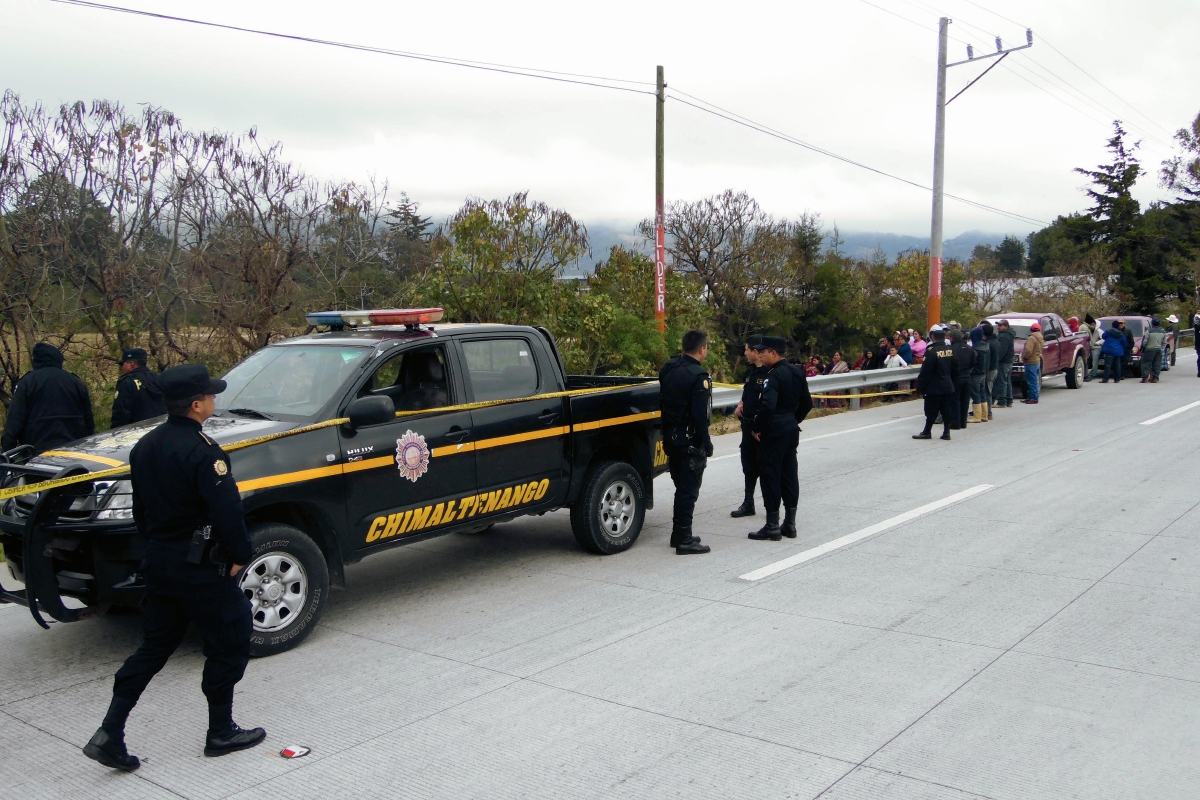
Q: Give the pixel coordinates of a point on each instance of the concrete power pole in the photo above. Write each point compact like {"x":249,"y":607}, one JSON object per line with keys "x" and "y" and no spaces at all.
{"x":939,"y":153}
{"x":939,"y":176}
{"x":660,"y":255}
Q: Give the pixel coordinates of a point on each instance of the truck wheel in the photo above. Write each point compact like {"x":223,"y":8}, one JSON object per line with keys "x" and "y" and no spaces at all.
{"x":287,"y":584}
{"x":608,"y":516}
{"x":1076,"y":375}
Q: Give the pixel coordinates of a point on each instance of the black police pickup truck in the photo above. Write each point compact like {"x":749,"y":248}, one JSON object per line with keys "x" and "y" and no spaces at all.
{"x":527,"y":442}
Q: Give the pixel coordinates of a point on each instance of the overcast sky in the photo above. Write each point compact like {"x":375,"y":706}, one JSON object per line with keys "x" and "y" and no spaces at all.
{"x":842,"y":75}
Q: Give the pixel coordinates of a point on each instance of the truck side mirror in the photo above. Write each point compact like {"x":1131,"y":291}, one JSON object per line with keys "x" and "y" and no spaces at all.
{"x":371,"y":411}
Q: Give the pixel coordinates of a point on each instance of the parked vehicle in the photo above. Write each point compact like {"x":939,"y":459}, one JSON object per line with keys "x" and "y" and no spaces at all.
{"x":1138,"y":327}
{"x":411,"y":463}
{"x":1065,"y":353}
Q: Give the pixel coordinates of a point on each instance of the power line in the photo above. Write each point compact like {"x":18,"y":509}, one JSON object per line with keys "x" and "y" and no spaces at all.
{"x":525,"y":72}
{"x":738,"y":119}
{"x":1072,"y":63}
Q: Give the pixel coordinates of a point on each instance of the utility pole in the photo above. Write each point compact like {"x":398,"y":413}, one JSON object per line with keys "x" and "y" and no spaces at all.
{"x":660,"y":255}
{"x":939,"y":153}
{"x":939,"y":177}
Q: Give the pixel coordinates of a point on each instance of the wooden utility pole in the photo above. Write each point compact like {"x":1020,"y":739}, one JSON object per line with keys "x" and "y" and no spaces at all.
{"x":660,"y":255}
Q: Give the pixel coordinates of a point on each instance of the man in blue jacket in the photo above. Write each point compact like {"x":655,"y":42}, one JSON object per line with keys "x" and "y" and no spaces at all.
{"x":1113,"y":351}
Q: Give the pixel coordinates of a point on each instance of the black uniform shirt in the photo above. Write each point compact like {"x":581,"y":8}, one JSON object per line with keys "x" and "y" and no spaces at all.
{"x":49,"y":407}
{"x":785,"y":391}
{"x":686,"y":392}
{"x":138,"y":397}
{"x":751,"y":391}
{"x":938,"y":371}
{"x":181,"y":482}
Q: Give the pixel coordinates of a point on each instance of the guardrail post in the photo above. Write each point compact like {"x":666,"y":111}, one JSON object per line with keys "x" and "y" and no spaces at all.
{"x":855,"y":403}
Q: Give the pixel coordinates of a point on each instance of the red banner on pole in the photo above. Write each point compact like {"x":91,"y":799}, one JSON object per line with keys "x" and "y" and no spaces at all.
{"x":660,"y":276}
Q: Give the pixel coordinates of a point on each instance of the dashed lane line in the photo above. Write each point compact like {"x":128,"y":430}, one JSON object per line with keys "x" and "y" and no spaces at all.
{"x":1169,"y":414}
{"x":851,"y":538}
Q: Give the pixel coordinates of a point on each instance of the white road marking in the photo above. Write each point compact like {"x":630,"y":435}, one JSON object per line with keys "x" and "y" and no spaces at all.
{"x":837,"y":433}
{"x":851,"y":538}
{"x":1161,"y":417}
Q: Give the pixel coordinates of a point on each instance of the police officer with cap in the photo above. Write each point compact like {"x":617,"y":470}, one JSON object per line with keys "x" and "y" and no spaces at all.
{"x":187,"y":507}
{"x":139,"y":396}
{"x":686,"y":392}
{"x":936,"y":382}
{"x":783,"y":404}
{"x":746,"y":411}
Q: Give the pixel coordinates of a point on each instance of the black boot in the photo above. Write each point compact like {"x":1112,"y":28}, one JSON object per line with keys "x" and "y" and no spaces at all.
{"x":923,"y":435}
{"x":682,"y":535}
{"x":770,"y":530}
{"x":789,"y":523}
{"x":231,"y":739}
{"x":946,"y":434}
{"x":108,"y":748}
{"x":692,"y":547}
{"x":746,"y":509}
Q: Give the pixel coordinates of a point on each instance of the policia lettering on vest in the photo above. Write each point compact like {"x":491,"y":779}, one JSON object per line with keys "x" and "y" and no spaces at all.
{"x":746,"y":411}
{"x":686,"y":391}
{"x":187,"y":506}
{"x":783,"y":404}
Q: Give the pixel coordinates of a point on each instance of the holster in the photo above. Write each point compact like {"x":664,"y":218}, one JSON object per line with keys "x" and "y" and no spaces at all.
{"x":206,"y":550}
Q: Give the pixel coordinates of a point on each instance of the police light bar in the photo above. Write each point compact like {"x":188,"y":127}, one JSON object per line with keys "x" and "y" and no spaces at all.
{"x":384,"y":316}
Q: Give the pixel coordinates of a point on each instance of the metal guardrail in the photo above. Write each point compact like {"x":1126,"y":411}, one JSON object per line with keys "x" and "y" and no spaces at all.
{"x":728,"y":398}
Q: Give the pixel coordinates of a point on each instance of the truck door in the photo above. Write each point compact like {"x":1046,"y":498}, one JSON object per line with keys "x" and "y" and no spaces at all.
{"x":410,"y":475}
{"x":1051,"y":351}
{"x":520,"y":447}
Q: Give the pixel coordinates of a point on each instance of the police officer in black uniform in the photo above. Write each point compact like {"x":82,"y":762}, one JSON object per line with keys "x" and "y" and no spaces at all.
{"x":186,"y":505}
{"x":783,"y":404}
{"x":964,"y":357}
{"x":746,"y":411}
{"x":936,"y":382}
{"x":49,"y":407}
{"x":686,"y":393}
{"x":139,"y":396}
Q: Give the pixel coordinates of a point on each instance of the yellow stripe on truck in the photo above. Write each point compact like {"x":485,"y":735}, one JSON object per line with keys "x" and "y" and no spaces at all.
{"x":112,"y":462}
{"x":438,"y":452}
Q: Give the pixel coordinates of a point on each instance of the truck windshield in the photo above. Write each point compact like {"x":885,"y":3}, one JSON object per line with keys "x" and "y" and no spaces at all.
{"x":1134,"y":325}
{"x":289,"y":380}
{"x":1019,"y":327}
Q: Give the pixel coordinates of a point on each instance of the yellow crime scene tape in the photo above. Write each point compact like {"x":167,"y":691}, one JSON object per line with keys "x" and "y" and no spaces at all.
{"x":56,"y":483}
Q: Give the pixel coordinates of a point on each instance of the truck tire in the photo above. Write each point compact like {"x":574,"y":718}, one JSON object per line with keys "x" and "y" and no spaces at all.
{"x":608,"y":515}
{"x":1077,"y":373}
{"x":287,"y":584}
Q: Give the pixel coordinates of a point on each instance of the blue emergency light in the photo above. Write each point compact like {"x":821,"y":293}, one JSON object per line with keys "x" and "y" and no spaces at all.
{"x":384,"y":316}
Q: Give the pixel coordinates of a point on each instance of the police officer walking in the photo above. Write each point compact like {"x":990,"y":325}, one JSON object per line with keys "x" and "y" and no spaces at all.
{"x":49,"y":407}
{"x":138,"y":394}
{"x":187,"y":507}
{"x":783,"y":404}
{"x":686,"y":392}
{"x":937,"y":382}
{"x":746,"y":411}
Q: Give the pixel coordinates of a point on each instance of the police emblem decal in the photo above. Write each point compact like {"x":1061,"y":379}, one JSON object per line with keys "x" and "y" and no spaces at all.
{"x":220,"y":468}
{"x":412,"y":456}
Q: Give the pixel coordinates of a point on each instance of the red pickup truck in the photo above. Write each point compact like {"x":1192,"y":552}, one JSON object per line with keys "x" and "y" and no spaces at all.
{"x":1138,"y":327}
{"x":1064,"y":353}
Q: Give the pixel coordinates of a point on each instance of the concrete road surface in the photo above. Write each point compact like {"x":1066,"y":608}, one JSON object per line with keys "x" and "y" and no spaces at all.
{"x":1013,"y":614}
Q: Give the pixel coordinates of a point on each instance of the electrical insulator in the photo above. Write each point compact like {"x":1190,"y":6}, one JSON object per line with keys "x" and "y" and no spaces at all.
{"x":970,"y":52}
{"x":999,"y":46}
{"x":1029,"y":35}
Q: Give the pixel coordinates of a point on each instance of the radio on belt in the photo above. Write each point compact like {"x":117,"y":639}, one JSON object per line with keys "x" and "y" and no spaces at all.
{"x":409,"y":317}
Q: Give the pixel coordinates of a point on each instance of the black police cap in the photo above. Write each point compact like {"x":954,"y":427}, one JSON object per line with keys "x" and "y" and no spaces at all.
{"x":132,"y":354}
{"x":754,"y":341}
{"x":188,"y":380}
{"x":776,"y":343}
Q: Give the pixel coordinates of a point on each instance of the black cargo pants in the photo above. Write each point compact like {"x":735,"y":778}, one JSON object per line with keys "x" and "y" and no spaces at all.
{"x":962,"y":387}
{"x":220,"y":612}
{"x":687,"y":486}
{"x":749,"y":455}
{"x":943,"y":404}
{"x":777,"y":466}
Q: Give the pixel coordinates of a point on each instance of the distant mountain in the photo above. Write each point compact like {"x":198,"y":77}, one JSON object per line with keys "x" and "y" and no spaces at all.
{"x":863,"y":245}
{"x":854,"y":245}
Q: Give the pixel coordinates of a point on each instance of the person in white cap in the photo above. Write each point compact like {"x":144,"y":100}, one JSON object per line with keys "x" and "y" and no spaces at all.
{"x":1168,"y":356}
